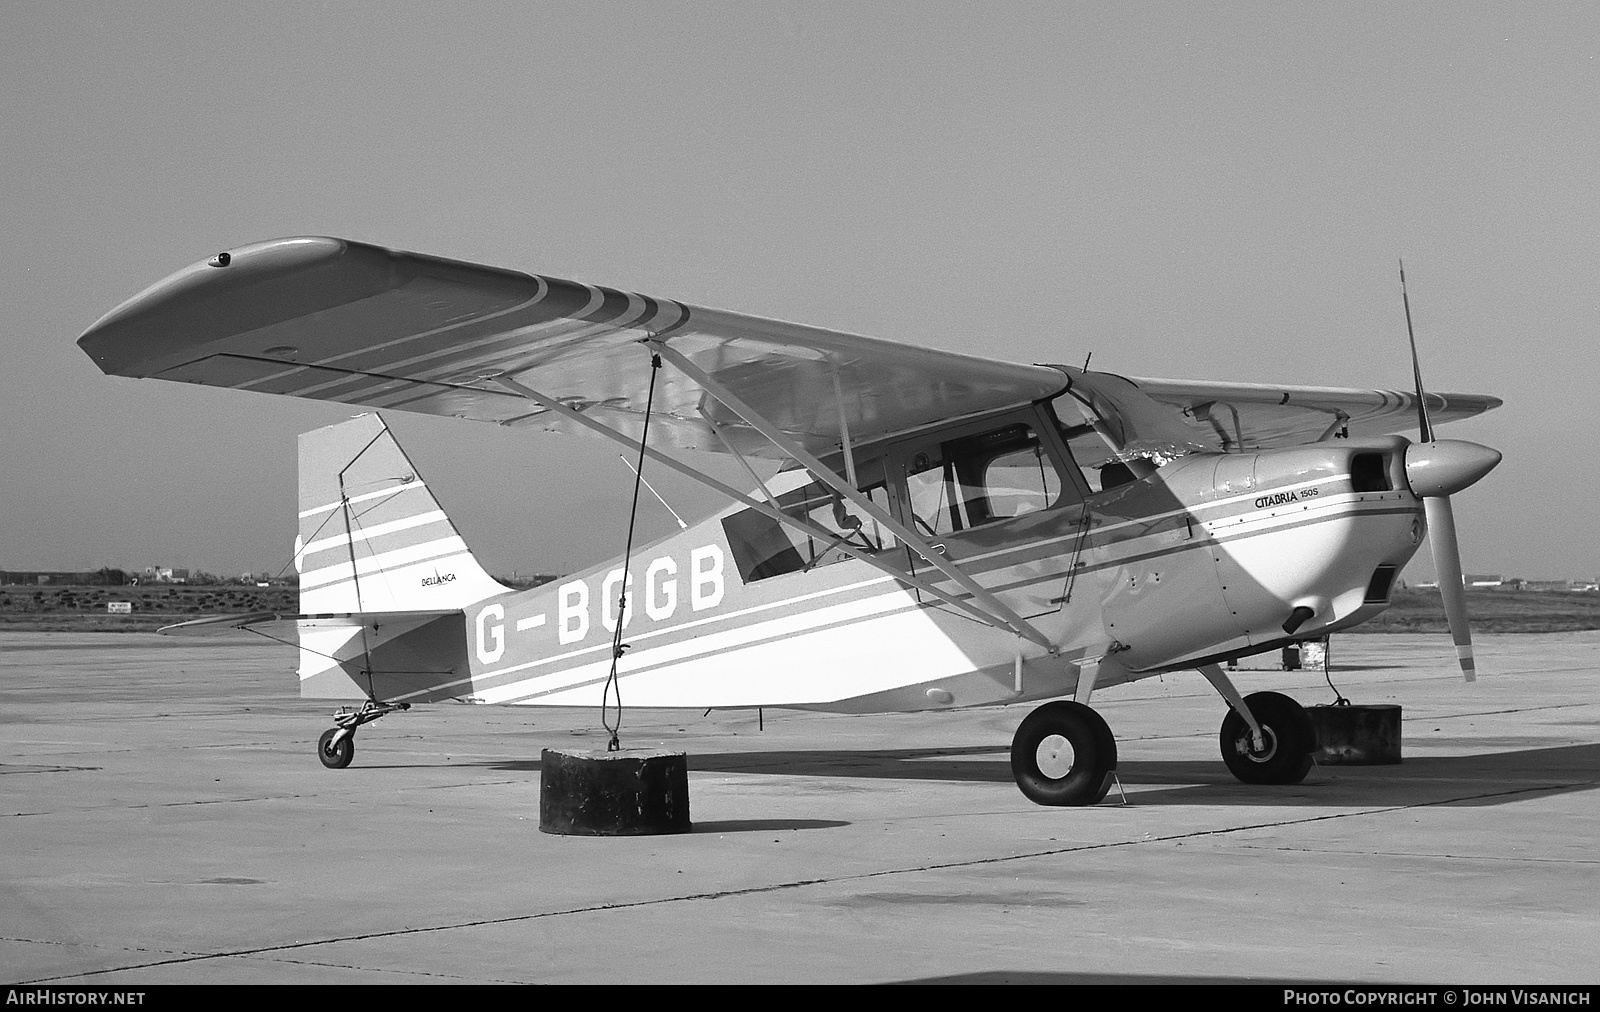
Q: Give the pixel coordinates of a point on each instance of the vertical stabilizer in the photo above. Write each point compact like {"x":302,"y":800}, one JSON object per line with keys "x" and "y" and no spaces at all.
{"x":372,"y":536}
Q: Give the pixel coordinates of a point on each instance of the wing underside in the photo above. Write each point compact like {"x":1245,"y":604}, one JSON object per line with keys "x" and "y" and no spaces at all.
{"x":345,"y":321}
{"x":1163,"y":416}
{"x":337,"y":320}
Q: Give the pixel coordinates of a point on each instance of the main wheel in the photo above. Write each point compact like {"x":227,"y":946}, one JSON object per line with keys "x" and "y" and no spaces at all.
{"x":336,"y":756}
{"x":1063,"y":754}
{"x":1290,"y":740}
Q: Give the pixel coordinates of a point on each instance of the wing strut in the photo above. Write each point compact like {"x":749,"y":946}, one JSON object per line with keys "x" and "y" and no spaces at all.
{"x":734,"y":452}
{"x":766,"y":508}
{"x":844,"y":429}
{"x":997,"y":610}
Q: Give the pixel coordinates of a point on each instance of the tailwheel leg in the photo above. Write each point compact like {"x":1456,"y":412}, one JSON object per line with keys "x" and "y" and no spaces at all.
{"x":337,"y":746}
{"x":1063,"y":754}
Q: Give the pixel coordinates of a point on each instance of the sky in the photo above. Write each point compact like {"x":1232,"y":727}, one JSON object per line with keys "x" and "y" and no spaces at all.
{"x":1193,"y":190}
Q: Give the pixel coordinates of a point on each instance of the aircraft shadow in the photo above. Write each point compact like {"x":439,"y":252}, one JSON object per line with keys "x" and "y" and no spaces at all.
{"x":765,"y":825}
{"x":1458,"y":781}
{"x":1490,"y":779}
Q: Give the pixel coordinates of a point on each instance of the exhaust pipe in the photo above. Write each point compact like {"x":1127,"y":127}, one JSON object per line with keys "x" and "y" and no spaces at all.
{"x":1297,"y":618}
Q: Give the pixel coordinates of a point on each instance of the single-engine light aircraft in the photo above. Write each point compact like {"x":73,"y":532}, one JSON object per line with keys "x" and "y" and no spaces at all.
{"x":944,"y":530}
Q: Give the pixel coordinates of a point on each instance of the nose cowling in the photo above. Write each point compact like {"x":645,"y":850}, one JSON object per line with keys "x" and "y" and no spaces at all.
{"x":1446,"y":466}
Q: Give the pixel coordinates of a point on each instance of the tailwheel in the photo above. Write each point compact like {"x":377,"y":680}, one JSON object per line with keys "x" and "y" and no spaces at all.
{"x":336,"y":748}
{"x":1288,"y":739}
{"x":1063,"y":754}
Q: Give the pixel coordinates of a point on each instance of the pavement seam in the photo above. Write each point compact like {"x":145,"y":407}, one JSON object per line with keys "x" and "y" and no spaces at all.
{"x":1419,"y":854}
{"x":387,"y":970}
{"x":799,"y":883}
{"x":164,"y":804}
{"x":1493,"y":713}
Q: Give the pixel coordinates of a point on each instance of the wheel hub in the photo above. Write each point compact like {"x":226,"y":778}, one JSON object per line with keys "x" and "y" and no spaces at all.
{"x":1269,"y":745}
{"x":1055,"y":756}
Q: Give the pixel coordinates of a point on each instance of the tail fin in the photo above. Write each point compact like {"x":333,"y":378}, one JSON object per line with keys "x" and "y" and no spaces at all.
{"x":372,"y":537}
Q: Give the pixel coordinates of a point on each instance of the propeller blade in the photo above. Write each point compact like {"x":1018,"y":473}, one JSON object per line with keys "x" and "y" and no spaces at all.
{"x":1424,"y":428}
{"x":1452,"y":588}
{"x":1435,"y":469}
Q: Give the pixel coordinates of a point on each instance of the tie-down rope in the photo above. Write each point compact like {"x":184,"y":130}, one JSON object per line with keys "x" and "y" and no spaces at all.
{"x":618,"y":648}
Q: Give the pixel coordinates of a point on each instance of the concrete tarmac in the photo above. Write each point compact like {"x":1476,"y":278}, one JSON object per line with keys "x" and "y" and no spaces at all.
{"x":163,"y":819}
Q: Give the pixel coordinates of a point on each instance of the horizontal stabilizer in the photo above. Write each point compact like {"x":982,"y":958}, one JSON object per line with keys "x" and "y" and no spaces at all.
{"x":274,"y":624}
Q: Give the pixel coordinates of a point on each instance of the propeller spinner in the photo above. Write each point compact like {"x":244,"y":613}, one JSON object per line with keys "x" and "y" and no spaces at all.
{"x":1435,"y":470}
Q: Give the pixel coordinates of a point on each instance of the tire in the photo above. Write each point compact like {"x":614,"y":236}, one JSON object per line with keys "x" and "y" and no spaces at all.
{"x":1063,"y":754}
{"x":336,"y":756}
{"x":1290,"y":737}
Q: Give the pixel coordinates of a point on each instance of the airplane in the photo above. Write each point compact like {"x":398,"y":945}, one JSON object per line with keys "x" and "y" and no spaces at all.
{"x":942,"y":530}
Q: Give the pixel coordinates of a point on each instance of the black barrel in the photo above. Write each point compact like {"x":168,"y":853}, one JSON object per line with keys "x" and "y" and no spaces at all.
{"x":1357,"y":735}
{"x":631,"y":792}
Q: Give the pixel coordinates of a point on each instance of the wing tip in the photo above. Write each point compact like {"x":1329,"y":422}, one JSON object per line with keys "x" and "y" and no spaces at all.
{"x":178,"y":313}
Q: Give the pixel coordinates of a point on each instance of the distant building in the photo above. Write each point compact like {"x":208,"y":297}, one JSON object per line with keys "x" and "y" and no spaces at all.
{"x":1545,"y":585}
{"x":1472,"y":581}
{"x":48,"y":578}
{"x":1484,"y":581}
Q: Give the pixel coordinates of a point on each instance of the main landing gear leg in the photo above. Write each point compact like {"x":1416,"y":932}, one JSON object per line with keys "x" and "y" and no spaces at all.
{"x":1063,"y":754}
{"x":1266,"y":738}
{"x":337,"y":746}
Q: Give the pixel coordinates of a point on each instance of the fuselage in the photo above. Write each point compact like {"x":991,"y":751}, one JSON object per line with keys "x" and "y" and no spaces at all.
{"x":1204,"y":558}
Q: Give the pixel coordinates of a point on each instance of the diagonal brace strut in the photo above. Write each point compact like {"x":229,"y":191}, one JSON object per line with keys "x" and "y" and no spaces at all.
{"x":765,"y":508}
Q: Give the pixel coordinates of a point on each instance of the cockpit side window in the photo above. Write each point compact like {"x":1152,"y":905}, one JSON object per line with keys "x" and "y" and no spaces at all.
{"x":998,"y":474}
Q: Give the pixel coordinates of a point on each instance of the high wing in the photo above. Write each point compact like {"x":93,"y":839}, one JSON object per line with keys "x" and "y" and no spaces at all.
{"x":1255,"y":416}
{"x":345,"y":321}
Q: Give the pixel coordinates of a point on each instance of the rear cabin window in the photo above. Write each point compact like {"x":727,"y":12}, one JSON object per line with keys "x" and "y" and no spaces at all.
{"x":764,"y":547}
